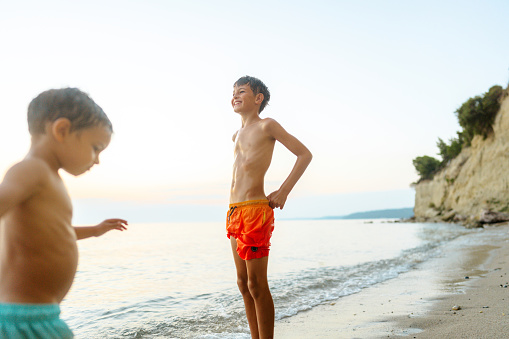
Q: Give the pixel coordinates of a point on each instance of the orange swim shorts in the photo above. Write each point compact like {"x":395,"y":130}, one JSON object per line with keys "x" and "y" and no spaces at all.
{"x":251,"y":223}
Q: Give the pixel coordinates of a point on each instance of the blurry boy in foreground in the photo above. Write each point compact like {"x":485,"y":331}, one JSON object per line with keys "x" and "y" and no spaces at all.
{"x":38,"y":251}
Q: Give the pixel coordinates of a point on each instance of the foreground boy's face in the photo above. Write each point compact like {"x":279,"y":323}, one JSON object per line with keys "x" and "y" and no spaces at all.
{"x":243,"y":98}
{"x":83,"y":148}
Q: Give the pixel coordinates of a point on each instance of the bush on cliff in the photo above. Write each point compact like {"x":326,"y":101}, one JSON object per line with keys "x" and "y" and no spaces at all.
{"x":477,"y":114}
{"x":451,"y":150}
{"x":426,"y":166}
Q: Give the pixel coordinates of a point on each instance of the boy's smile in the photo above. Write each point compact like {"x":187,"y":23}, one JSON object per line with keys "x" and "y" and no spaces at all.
{"x":243,"y":99}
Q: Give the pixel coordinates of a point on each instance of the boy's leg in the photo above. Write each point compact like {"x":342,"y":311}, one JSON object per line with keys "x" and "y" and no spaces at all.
{"x":260,"y":292}
{"x":242,"y":282}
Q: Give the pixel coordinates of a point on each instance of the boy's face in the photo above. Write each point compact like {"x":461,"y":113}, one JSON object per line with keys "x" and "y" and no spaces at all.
{"x":244,"y":99}
{"x":82,"y":149}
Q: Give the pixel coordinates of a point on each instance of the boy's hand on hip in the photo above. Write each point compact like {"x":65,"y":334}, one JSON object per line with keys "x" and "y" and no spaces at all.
{"x":277,"y":199}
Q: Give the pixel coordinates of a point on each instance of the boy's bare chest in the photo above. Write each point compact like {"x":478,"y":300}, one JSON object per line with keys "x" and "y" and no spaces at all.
{"x":253,"y":151}
{"x":250,"y":139}
{"x":52,"y":201}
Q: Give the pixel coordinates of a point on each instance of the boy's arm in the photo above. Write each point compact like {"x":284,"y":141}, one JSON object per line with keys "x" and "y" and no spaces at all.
{"x":98,"y":230}
{"x":304,"y":156}
{"x":20,"y":182}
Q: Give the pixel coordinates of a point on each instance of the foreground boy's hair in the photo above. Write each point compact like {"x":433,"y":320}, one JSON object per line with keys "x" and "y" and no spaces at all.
{"x":70,"y":103}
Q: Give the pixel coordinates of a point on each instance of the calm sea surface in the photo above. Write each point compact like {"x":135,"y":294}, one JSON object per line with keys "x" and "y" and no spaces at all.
{"x":177,"y":280}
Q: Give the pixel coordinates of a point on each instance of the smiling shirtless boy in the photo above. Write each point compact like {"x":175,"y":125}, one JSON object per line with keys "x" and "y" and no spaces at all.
{"x":250,"y":219}
{"x":38,"y":252}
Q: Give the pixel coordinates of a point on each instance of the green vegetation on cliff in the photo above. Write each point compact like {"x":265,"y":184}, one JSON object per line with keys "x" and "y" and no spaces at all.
{"x":477,"y":114}
{"x":476,"y":117}
{"x":426,"y":166}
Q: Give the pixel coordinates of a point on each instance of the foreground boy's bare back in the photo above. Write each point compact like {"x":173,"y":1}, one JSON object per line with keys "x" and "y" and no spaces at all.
{"x":250,"y":220}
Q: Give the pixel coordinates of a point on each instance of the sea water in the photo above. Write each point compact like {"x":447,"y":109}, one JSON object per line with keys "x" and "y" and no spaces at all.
{"x":177,"y":280}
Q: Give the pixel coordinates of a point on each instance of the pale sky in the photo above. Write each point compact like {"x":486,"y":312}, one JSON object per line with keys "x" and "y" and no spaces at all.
{"x":366,"y":85}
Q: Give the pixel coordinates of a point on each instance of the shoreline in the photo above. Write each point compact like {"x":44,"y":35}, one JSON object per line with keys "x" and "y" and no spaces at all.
{"x":418,"y":303}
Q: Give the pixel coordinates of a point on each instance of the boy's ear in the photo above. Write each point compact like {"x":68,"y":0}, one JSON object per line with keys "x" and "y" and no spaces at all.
{"x":259,"y":98}
{"x":61,"y":128}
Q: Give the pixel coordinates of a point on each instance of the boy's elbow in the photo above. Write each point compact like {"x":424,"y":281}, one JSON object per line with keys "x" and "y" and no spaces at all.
{"x":307,"y":156}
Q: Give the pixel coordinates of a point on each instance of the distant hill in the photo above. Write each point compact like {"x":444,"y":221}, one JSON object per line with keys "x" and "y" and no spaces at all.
{"x":399,"y":213}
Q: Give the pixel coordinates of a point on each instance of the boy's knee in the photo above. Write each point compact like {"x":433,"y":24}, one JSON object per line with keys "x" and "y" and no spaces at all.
{"x":257,"y":288}
{"x":243,"y":285}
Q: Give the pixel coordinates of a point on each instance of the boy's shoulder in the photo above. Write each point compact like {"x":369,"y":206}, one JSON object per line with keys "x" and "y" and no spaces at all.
{"x":26,"y":179}
{"x":265,"y":122}
{"x":29,"y":169}
{"x":269,"y":125}
{"x":268,"y":121}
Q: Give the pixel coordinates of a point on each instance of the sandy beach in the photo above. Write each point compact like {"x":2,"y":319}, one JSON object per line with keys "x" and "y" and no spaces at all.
{"x":421,"y":303}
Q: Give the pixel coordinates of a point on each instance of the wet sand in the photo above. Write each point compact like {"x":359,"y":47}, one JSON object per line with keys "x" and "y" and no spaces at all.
{"x":470,"y":274}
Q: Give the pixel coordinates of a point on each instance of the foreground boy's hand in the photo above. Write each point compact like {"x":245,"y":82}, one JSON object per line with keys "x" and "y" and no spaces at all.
{"x":111,"y":224}
{"x":101,"y":228}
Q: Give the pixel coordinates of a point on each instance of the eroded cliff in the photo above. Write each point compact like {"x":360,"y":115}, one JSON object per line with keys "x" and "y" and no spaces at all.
{"x":474,"y":183}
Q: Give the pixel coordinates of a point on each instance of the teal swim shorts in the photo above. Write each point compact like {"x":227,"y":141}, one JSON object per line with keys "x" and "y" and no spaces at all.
{"x":32,"y":321}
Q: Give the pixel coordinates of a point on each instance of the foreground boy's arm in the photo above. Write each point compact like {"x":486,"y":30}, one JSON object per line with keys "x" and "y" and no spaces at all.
{"x":304,"y":156}
{"x":25,"y":179}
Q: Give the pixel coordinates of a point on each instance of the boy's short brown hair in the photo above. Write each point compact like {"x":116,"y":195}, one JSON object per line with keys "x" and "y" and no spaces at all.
{"x":70,"y":103}
{"x":257,"y":86}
